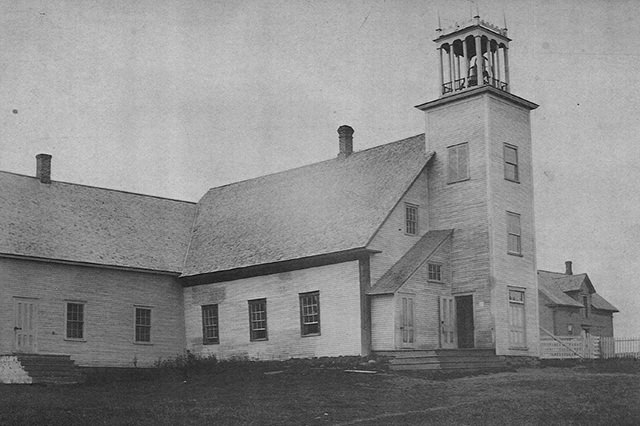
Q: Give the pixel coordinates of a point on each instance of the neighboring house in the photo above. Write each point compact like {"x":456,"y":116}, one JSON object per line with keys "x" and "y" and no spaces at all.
{"x":423,"y":243}
{"x":570,"y":306}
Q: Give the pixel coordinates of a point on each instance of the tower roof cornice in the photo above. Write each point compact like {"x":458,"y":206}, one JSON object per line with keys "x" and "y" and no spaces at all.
{"x":470,"y":27}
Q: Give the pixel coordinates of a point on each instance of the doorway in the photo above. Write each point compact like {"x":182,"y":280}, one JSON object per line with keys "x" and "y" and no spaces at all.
{"x":25,"y":314}
{"x":464,"y":321}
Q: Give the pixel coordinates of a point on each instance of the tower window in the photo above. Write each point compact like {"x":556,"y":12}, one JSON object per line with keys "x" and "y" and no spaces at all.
{"x":458,"y":162}
{"x":511,"y":163}
{"x":411,"y":219}
{"x":513,"y":234}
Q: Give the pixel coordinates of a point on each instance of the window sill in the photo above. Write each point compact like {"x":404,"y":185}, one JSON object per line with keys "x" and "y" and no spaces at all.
{"x":143,"y":343}
{"x":310,"y":335}
{"x":511,"y":180}
{"x":70,"y":339}
{"x":259,"y":340}
{"x":510,"y":253}
{"x":458,"y":181}
{"x":210,"y":343}
{"x":518,"y":348}
{"x":436,"y":281}
{"x":411,"y":235}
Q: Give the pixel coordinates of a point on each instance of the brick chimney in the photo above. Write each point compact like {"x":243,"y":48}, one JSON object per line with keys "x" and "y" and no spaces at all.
{"x":43,"y":168}
{"x":345,"y":137}
{"x":569,"y":270}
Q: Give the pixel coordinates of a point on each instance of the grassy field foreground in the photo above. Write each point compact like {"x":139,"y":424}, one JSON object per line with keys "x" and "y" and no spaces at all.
{"x":579,"y":395}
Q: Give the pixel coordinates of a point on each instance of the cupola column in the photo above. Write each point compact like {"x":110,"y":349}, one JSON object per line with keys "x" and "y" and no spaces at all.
{"x":452,"y":65}
{"x":498,"y":62}
{"x":441,"y":71}
{"x":465,"y":53}
{"x":479,"y":60}
{"x":506,"y":68}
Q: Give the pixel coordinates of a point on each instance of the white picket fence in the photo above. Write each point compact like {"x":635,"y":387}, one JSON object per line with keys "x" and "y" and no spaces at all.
{"x":588,"y":347}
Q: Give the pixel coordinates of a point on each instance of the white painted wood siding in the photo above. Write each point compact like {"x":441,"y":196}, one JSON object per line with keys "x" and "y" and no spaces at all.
{"x":382,"y":323}
{"x":340,"y":325}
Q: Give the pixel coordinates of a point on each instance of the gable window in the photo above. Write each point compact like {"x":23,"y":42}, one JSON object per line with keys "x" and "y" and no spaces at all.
{"x":210,"y":324}
{"x":435,"y":272}
{"x":513,"y":234}
{"x":310,"y":313}
{"x":511,"y":163}
{"x":75,"y":320}
{"x":258,"y":319}
{"x":143,"y":325}
{"x":458,"y":162}
{"x":411,"y":219}
{"x":517,"y":323}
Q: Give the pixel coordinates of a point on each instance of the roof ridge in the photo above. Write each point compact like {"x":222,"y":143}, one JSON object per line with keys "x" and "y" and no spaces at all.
{"x":355,"y":153}
{"x":101,"y":188}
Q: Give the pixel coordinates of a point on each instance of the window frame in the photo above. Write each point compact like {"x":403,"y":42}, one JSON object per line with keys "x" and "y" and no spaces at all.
{"x":453,"y":151}
{"x":436,"y":274}
{"x":520,"y":305}
{"x":137,"y":326}
{"x":214,"y":340}
{"x":253,"y":330}
{"x":511,"y":232}
{"x":305,"y":325}
{"x":81,"y":321}
{"x":411,"y":223}
{"x":508,"y":164}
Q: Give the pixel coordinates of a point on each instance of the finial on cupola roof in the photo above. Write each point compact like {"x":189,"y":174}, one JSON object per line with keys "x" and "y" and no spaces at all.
{"x":439,"y":29}
{"x":504,"y":17}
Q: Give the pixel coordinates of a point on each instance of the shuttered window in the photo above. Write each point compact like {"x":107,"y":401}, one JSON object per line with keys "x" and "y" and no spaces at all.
{"x":458,"y":162}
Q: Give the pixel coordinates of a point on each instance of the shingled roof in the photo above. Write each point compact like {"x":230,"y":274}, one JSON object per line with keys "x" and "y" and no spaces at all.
{"x":326,"y":207}
{"x":393,"y":279}
{"x":555,"y":286}
{"x":566,"y":282}
{"x":599,"y":302}
{"x":555,"y":294}
{"x":77,"y":223}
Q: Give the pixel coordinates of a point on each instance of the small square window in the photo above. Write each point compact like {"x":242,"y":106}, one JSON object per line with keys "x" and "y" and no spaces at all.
{"x":258,"y":320}
{"x":435,"y":272}
{"x":514,"y":245}
{"x":310,"y":313}
{"x":511,"y":163}
{"x":75,"y":320}
{"x":458,"y":162}
{"x":210,"y":330}
{"x":411,"y":219}
{"x":143,"y":325}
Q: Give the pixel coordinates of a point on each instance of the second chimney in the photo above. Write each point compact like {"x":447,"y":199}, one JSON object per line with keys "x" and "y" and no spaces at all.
{"x":43,"y":168}
{"x":569,"y":270}
{"x":345,"y":137}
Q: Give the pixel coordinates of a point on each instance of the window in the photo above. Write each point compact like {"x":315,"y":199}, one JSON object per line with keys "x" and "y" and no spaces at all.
{"x":75,"y":320}
{"x":458,"y":162}
{"x":513,"y":233}
{"x":310,"y":313}
{"x":435,"y":272}
{"x":411,"y":219}
{"x":210,"y":324}
{"x":511,"y":163}
{"x":516,"y":318}
{"x":143,"y":325}
{"x":258,"y":319}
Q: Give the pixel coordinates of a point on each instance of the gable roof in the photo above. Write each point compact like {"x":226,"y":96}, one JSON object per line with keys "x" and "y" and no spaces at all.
{"x":547,"y":286}
{"x":399,"y":273}
{"x":566,"y":282}
{"x":599,"y":302}
{"x":326,"y":207}
{"x":77,"y":223}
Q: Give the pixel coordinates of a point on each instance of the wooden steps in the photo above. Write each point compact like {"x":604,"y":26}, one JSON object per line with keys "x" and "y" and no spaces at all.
{"x":50,"y":369}
{"x":446,"y":359}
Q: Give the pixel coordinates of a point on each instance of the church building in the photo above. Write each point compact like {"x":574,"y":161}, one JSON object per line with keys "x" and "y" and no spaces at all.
{"x":423,"y":243}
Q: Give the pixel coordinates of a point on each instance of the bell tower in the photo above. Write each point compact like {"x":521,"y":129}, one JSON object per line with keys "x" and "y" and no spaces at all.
{"x":480,"y":184}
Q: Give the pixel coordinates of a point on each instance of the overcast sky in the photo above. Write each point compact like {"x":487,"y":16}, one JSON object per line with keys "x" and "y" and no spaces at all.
{"x":170,"y":98}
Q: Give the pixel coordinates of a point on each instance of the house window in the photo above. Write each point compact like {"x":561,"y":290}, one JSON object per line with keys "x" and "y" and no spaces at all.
{"x":310,"y":313}
{"x":513,"y":234}
{"x":458,"y":162}
{"x":210,"y":324}
{"x":435,"y":272}
{"x":258,"y":319}
{"x":143,"y":325}
{"x":75,"y":320}
{"x":511,"y":163}
{"x":411,"y":219}
{"x":516,"y":318}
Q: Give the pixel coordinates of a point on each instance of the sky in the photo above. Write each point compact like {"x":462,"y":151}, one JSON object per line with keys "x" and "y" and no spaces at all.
{"x":170,"y":98}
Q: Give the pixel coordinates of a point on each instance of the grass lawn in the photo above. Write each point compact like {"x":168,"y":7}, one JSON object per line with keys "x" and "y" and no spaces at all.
{"x":580,"y":395}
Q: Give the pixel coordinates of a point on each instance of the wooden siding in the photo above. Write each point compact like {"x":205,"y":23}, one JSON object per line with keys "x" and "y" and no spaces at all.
{"x":463,"y":206}
{"x":109,"y":296}
{"x":382,"y":323}
{"x":391,"y":238}
{"x":508,"y":123}
{"x":340,"y":319}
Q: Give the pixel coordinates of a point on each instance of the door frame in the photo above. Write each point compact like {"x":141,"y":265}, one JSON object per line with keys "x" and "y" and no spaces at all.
{"x":447,"y":330}
{"x":459,"y":324}
{"x":31,"y":325}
